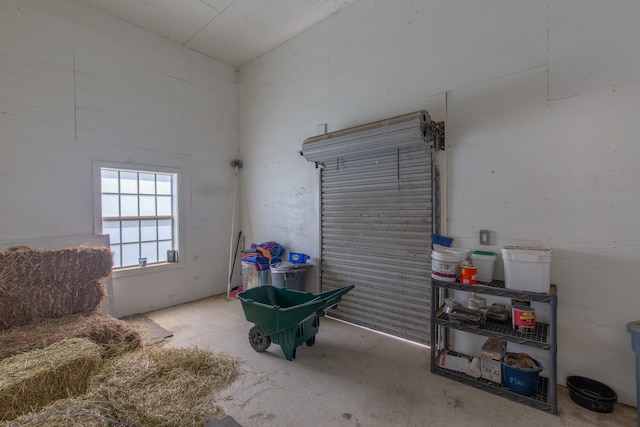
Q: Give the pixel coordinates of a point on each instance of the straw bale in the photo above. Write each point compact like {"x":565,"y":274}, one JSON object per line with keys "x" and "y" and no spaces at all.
{"x":114,"y":335}
{"x":31,"y":380}
{"x":25,"y":305}
{"x":23,"y":266}
{"x":153,"y":386}
{"x":49,"y":283}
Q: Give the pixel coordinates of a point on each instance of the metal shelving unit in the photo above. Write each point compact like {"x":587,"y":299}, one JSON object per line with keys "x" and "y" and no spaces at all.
{"x":544,"y":338}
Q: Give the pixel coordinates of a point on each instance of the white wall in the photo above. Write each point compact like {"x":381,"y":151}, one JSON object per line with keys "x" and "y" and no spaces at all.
{"x":540,"y":100}
{"x":77,"y":85}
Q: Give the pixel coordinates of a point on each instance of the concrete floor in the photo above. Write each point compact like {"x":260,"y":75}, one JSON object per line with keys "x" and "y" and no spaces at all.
{"x":351,"y":377}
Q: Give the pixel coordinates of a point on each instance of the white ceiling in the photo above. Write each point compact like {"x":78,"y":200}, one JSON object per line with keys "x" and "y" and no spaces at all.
{"x":231,"y":31}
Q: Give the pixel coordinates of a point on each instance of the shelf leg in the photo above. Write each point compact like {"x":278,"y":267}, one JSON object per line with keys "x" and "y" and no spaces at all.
{"x":553,"y":375}
{"x":434,"y":339}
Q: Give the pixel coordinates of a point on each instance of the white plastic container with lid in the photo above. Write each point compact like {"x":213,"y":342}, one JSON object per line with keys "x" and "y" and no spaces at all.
{"x":444,"y":266}
{"x":527,"y":268}
{"x":485,"y":262}
{"x":461,"y":253}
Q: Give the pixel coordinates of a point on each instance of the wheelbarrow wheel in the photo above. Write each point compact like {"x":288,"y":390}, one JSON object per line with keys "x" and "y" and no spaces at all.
{"x":258,"y":339}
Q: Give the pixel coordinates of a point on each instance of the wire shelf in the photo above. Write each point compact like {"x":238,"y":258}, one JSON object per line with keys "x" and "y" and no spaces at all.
{"x":504,"y":331}
{"x":497,"y":288}
{"x":544,"y":338}
{"x":540,"y":400}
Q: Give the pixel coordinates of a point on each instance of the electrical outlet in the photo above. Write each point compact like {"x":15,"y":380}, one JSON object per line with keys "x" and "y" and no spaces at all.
{"x":485,"y":237}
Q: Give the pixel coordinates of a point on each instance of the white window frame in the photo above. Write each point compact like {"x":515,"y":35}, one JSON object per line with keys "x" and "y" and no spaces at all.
{"x":177,"y":207}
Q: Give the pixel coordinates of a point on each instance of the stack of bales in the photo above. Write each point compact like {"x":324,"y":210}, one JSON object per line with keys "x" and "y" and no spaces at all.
{"x":51,"y":336}
{"x":40,"y":284}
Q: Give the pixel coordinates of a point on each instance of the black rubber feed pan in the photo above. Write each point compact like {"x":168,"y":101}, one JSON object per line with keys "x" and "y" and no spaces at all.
{"x":592,"y":394}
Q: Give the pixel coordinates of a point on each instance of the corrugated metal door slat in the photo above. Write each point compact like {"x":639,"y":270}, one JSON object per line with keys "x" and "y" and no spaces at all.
{"x":376,"y":224}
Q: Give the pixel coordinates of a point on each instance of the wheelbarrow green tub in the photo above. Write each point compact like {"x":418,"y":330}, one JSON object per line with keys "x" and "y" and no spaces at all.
{"x":285,"y":316}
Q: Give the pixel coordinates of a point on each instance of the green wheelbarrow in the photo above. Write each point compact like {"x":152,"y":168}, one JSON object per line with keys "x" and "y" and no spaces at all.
{"x":286,"y":317}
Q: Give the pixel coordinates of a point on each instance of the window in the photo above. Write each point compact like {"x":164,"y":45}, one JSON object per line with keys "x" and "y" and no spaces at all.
{"x":139,"y":211}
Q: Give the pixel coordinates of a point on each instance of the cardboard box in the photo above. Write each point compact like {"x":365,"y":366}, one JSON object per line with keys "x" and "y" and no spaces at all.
{"x":490,"y":357}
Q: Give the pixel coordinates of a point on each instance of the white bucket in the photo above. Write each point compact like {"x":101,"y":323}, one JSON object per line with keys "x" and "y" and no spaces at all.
{"x":527,"y":268}
{"x":444,"y":266}
{"x":461,"y":253}
{"x":485,"y":261}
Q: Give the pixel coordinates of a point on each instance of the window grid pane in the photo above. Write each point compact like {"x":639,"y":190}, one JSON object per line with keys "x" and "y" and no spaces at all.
{"x":128,"y":205}
{"x":129,"y":182}
{"x":165,"y":229}
{"x":164,"y":184}
{"x":117,"y":261}
{"x":130,"y":231}
{"x":164,"y":205}
{"x":130,"y":254}
{"x":150,"y":251}
{"x":110,"y":205}
{"x":147,"y":183}
{"x":135,"y":207}
{"x":148,"y":230}
{"x":110,"y":181}
{"x":112,"y":228}
{"x":147,"y":206}
{"x":163,"y":247}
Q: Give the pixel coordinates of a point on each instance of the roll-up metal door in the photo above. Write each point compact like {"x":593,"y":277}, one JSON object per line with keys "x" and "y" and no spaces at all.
{"x":376,"y":223}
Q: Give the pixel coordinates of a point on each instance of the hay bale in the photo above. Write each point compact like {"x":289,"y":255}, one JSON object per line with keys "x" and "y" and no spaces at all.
{"x":37,"y":266}
{"x":49,"y":283}
{"x":32,"y":380}
{"x":114,"y":335}
{"x":153,"y":386}
{"x":25,"y":305}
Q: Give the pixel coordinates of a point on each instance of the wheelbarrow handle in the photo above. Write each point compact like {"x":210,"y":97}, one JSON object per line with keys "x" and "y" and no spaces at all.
{"x":334,"y":292}
{"x":310,"y":305}
{"x":333,"y":297}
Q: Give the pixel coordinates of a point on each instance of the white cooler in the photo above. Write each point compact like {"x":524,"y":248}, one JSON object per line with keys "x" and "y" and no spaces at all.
{"x":527,"y":268}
